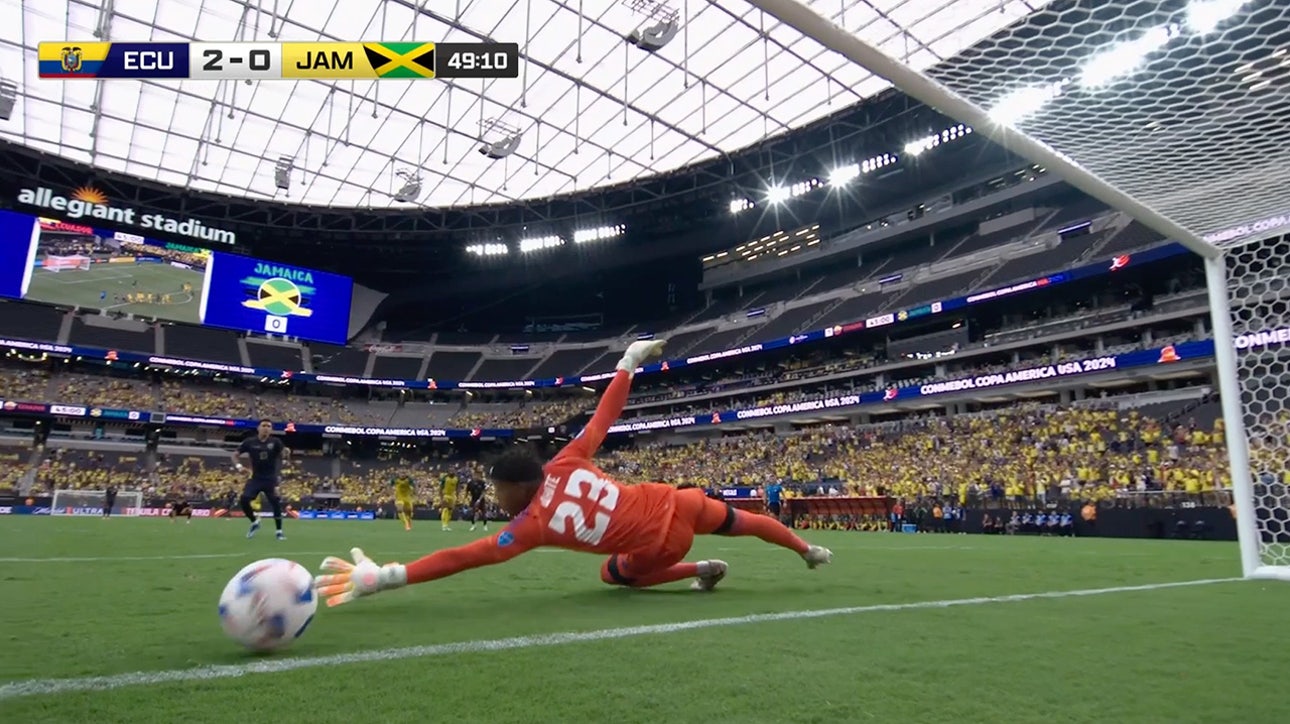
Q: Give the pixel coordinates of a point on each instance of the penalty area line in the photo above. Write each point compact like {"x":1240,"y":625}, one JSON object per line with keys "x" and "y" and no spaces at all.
{"x":39,"y":687}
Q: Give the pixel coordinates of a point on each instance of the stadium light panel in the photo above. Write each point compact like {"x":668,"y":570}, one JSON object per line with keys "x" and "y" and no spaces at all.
{"x":539,"y":243}
{"x":487,"y":249}
{"x":1122,"y":59}
{"x":841,"y":175}
{"x":869,"y":165}
{"x":953,"y":133}
{"x":777,"y":194}
{"x":737,"y":205}
{"x":582,"y":236}
{"x":1204,"y":16}
{"x":1022,"y":103}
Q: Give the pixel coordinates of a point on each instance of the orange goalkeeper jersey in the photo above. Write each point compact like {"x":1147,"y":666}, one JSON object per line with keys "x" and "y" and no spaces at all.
{"x":579,"y":507}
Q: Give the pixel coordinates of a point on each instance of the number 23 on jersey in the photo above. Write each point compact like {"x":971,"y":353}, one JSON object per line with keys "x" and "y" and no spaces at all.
{"x":585,"y":511}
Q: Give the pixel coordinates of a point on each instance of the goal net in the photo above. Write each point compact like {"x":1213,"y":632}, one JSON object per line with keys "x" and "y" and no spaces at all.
{"x":60,"y":263}
{"x":1176,"y":112}
{"x":90,"y":502}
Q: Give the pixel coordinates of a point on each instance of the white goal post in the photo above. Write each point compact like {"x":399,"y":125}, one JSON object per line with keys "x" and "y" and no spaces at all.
{"x":1175,"y":113}
{"x":90,"y":502}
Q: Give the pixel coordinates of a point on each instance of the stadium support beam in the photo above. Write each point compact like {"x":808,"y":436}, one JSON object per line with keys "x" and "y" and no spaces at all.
{"x":813,"y":25}
{"x":481,"y":37}
{"x":102,"y":31}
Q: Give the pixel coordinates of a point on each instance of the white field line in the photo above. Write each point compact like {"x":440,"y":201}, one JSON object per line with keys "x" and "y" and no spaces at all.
{"x":40,"y":687}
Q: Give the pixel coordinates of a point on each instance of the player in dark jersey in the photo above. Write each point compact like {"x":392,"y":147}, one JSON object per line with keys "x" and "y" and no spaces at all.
{"x":109,"y":500}
{"x":179,"y":506}
{"x":264,"y":454}
{"x":478,"y":506}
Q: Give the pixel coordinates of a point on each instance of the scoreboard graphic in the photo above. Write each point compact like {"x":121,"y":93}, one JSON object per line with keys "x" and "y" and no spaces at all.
{"x":75,"y":60}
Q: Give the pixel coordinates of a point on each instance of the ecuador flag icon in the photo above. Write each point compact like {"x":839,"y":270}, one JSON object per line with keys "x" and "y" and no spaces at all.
{"x":71,"y":59}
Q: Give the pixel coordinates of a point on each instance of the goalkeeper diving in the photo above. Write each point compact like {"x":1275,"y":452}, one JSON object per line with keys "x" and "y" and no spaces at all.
{"x":646,"y":530}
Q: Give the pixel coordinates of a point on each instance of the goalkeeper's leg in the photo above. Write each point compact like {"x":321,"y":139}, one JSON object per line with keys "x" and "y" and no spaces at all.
{"x":445,"y":515}
{"x":405,"y":514}
{"x":712,"y":517}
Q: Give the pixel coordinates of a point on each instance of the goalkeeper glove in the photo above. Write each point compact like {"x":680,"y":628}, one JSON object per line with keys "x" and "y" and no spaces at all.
{"x":638,"y":352}
{"x":349,"y":581}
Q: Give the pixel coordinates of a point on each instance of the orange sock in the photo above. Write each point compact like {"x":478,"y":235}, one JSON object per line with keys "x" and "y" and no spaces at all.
{"x":676,"y":572}
{"x":768,"y":529}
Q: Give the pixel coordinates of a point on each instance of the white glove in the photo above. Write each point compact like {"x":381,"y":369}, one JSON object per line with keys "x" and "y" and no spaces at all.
{"x":238,"y":467}
{"x":639,"y":352}
{"x":360,"y":578}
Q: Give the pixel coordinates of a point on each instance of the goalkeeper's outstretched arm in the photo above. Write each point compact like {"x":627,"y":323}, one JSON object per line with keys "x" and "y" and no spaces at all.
{"x":346,"y":581}
{"x":613,"y":401}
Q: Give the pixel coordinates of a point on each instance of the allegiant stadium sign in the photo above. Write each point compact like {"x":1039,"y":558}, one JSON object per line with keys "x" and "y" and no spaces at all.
{"x":90,"y":203}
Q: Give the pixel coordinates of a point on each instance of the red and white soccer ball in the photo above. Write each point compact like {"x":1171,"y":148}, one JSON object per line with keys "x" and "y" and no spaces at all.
{"x":268,"y":604}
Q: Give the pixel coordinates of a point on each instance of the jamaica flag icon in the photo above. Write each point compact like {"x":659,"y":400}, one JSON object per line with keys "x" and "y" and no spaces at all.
{"x":280,"y":297}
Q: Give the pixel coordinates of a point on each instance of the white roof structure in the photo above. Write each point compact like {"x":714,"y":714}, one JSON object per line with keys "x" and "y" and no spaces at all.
{"x":593,"y":109}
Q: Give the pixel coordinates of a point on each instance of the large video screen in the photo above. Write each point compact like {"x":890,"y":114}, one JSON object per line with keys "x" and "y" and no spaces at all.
{"x":260,"y":296}
{"x":73,"y":264}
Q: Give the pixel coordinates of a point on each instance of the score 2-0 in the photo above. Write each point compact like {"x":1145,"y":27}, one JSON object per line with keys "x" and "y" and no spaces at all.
{"x":234,"y":61}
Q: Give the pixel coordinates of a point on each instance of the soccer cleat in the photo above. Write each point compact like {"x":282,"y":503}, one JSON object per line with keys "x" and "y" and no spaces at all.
{"x":472,"y":529}
{"x":254,"y":527}
{"x":817,"y":556}
{"x":281,"y":536}
{"x":710,"y":574}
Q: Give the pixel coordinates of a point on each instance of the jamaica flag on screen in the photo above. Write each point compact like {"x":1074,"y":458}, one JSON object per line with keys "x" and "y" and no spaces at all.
{"x":401,"y":60}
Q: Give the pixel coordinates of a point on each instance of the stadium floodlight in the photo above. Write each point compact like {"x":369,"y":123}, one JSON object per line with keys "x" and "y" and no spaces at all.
{"x":737,"y":205}
{"x":777,"y":194}
{"x":1125,"y":58}
{"x":411,"y":188}
{"x":928,"y":142}
{"x":1218,"y":187}
{"x":282,"y":172}
{"x":582,"y":236}
{"x":869,"y":165}
{"x":1204,"y":16}
{"x":1023,"y":103}
{"x":841,"y":175}
{"x":662,"y":23}
{"x":538,"y":243}
{"x":488,"y":249}
{"x":500,"y":138}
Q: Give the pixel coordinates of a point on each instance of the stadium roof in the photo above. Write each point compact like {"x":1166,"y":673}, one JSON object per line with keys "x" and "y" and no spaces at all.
{"x":592,"y":108}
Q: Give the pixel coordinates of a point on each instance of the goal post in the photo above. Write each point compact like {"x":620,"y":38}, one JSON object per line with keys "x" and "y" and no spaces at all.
{"x":90,"y":502}
{"x":1175,"y":113}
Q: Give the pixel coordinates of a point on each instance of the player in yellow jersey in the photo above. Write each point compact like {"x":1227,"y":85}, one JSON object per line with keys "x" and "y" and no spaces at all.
{"x":403,"y":494}
{"x":447,"y":498}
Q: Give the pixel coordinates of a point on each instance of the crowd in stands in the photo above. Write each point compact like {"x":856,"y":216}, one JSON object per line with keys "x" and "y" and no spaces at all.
{"x":953,"y":369}
{"x":1025,"y":453}
{"x":531,"y":414}
{"x":66,"y":469}
{"x":101,"y":391}
{"x":196,"y":261}
{"x":28,"y":384}
{"x":13,"y":464}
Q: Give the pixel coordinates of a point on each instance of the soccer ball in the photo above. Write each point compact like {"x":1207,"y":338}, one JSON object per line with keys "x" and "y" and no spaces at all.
{"x":268,"y":604}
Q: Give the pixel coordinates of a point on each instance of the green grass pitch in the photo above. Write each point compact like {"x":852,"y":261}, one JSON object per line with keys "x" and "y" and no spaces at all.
{"x":91,"y":598}
{"x":74,"y":287}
